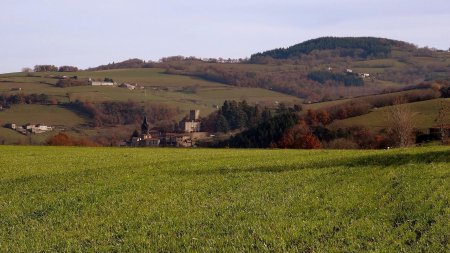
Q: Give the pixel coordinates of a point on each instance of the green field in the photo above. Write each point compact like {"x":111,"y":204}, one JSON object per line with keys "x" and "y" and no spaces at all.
{"x":425,"y":116}
{"x":175,"y":200}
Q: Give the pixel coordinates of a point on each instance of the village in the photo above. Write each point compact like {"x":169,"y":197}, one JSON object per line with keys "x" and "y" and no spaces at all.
{"x":187,"y":136}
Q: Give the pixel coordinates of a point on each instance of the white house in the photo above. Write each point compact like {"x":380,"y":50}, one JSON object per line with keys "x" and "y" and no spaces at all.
{"x":100,"y":83}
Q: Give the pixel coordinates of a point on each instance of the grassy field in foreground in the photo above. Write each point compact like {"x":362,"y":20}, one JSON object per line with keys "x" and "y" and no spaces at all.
{"x":111,"y":199}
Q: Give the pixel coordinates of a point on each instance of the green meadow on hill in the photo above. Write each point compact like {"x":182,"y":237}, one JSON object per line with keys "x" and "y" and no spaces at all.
{"x":174,"y":90}
{"x":425,"y":114}
{"x":110,"y":199}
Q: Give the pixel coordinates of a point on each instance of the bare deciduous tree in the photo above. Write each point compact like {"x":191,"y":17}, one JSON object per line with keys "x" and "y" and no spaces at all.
{"x":27,"y":70}
{"x":443,"y":119}
{"x":401,"y":123}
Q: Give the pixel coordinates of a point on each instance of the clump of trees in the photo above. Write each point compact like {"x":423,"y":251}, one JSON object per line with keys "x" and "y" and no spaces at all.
{"x":348,"y":79}
{"x":236,"y":115}
{"x":67,"y":69}
{"x":20,"y":98}
{"x":233,"y":115}
{"x":45,"y":68}
{"x":63,"y":139}
{"x":265,"y":134}
{"x":51,"y":68}
{"x":298,"y":137}
{"x":71,"y":82}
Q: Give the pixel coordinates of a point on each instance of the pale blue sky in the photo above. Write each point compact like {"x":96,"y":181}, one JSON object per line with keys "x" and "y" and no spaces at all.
{"x":88,"y":33}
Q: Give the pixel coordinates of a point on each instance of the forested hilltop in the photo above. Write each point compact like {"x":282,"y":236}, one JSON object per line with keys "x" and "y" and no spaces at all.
{"x":362,"y":47}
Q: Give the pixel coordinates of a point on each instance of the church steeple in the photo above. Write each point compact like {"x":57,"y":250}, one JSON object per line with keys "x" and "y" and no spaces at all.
{"x":145,"y":127}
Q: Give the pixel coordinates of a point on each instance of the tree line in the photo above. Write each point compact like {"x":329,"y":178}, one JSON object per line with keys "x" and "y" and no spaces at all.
{"x":111,"y":113}
{"x":20,"y":98}
{"x":52,"y":68}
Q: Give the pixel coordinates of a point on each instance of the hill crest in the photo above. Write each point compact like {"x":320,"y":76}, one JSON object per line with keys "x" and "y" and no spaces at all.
{"x":366,"y":46}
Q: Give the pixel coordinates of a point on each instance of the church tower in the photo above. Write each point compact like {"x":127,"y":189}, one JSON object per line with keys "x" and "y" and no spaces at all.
{"x":145,"y":128}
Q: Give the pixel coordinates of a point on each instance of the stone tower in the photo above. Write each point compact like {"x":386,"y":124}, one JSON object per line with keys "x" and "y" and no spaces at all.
{"x":194,"y":115}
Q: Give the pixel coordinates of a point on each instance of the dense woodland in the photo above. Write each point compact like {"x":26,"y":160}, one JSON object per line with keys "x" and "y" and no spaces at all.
{"x":348,"y":79}
{"x":362,"y":47}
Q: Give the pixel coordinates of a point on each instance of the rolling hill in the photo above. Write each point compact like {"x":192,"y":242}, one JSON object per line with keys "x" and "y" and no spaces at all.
{"x":320,"y":73}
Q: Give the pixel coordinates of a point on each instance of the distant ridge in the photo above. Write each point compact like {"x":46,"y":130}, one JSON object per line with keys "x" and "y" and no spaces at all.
{"x":366,"y":46}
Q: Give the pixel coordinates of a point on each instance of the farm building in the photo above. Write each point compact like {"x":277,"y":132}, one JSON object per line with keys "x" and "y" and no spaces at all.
{"x":11,"y":126}
{"x":98,"y":83}
{"x":128,"y":86}
{"x":101,"y":83}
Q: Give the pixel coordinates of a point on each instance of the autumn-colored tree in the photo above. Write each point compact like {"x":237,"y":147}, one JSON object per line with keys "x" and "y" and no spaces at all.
{"x":311,"y":117}
{"x":61,"y":139}
{"x":324,"y":117}
{"x":299,"y":137}
{"x":309,"y":141}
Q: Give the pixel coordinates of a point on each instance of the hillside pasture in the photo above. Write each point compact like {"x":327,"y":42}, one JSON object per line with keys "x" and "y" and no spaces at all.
{"x":425,"y":116}
{"x":180,"y":91}
{"x":46,"y":114}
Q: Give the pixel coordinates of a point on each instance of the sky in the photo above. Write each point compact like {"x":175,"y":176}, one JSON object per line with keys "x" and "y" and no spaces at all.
{"x":88,"y":33}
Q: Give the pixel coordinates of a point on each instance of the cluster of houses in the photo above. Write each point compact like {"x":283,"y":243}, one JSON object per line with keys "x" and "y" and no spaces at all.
{"x":187,"y":136}
{"x":29,"y":128}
